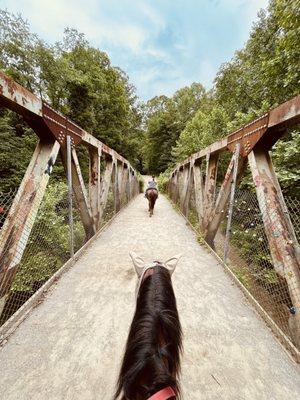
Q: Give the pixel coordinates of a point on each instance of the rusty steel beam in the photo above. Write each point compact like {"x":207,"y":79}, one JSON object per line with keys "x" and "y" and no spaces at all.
{"x":173,"y":187}
{"x":218,"y":212}
{"x":105,"y":185}
{"x":231,"y":202}
{"x":70,"y":195}
{"x":187,"y":190}
{"x":286,"y":114}
{"x":210,"y":185}
{"x":137,"y":185}
{"x":283,"y":244}
{"x":183,"y":184}
{"x":115,"y":187}
{"x":266,"y":129}
{"x":19,"y":222}
{"x":122,"y":181}
{"x":248,"y":135}
{"x":129,"y":189}
{"x":81,"y":197}
{"x":176,"y":187}
{"x":18,"y":99}
{"x":44,"y":119}
{"x":80,"y":194}
{"x":94,"y":184}
{"x":199,"y":192}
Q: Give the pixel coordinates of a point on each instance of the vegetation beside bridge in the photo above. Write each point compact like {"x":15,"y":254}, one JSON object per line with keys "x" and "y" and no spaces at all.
{"x":79,"y":81}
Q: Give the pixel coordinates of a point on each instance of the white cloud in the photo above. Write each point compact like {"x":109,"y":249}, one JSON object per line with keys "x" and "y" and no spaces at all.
{"x":158,"y":54}
{"x":50,"y":17}
{"x":152,"y":14}
{"x":161,"y":44}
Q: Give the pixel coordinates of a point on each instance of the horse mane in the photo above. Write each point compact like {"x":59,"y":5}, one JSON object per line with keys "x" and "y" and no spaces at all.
{"x":152,"y":356}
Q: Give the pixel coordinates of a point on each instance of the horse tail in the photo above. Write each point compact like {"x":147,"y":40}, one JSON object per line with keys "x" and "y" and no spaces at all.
{"x":152,"y":356}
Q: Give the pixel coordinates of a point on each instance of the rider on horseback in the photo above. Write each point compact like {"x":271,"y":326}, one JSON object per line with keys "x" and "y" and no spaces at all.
{"x":151,"y":185}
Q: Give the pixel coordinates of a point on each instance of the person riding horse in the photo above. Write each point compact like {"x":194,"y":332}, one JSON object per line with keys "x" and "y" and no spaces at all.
{"x":151,"y":185}
{"x":151,"y":194}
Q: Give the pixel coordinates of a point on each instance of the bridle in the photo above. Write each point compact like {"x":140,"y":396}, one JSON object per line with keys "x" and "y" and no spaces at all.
{"x":163,"y":394}
{"x":151,"y":268}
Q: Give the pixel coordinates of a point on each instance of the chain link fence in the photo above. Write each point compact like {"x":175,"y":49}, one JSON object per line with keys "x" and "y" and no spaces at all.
{"x":250,"y":259}
{"x":48,"y":245}
{"x":47,"y":248}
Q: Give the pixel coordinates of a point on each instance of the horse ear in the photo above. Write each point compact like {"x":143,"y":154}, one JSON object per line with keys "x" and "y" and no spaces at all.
{"x":172,"y":262}
{"x":138,"y":263}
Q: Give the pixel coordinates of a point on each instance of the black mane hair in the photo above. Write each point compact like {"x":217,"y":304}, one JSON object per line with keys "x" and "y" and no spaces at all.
{"x":152,"y":356}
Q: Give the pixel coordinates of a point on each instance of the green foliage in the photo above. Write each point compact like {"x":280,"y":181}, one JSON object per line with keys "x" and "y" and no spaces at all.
{"x":165,"y":119}
{"x":267,"y":68}
{"x":17,"y":49}
{"x":141,"y":183}
{"x":201,"y":131}
{"x":251,"y":244}
{"x":200,"y":239}
{"x":109,"y":208}
{"x":263,"y":74}
{"x":74,"y":78}
{"x":270,"y":276}
{"x":17,"y":143}
{"x":286,"y":156}
{"x":193,"y":218}
{"x":242,"y":276}
{"x":48,"y":245}
{"x":163,"y":180}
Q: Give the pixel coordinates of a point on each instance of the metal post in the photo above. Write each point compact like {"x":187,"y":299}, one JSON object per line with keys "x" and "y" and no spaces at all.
{"x":231,"y":201}
{"x":70,"y":195}
{"x":210,"y":186}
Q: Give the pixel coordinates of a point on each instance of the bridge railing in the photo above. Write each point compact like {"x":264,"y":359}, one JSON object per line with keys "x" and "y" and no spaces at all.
{"x":42,"y":226}
{"x":252,"y":230}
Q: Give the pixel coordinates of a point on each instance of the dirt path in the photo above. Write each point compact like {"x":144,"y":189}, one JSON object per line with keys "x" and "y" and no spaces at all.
{"x":71,"y":345}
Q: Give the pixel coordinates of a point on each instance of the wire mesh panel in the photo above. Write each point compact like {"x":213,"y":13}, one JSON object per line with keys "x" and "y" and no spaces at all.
{"x":293,"y":205}
{"x":250,"y":259}
{"x":192,"y":213}
{"x":45,"y":243}
{"x":48,"y":245}
{"x":257,"y":245}
{"x":78,"y":228}
{"x":6,"y":199}
{"x":109,"y":209}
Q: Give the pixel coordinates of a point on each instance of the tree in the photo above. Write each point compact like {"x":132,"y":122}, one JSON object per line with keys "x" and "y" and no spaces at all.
{"x":76,"y":79}
{"x":286,"y":157}
{"x":201,"y":131}
{"x":165,"y":119}
{"x":267,"y":68}
{"x":263,"y":74}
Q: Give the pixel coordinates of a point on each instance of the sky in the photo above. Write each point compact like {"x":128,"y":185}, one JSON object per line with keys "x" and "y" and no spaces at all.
{"x":162,"y":45}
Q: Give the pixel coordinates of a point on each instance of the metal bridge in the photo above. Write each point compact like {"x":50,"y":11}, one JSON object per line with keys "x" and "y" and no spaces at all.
{"x":66,"y":341}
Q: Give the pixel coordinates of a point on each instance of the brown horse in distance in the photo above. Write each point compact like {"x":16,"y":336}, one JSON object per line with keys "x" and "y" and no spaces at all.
{"x":152,"y":195}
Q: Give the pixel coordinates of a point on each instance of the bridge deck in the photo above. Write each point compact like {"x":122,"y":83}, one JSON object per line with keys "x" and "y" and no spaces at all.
{"x":71,"y":345}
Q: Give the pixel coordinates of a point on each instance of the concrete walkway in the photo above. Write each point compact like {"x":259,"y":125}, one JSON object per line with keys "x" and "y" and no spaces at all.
{"x":71,"y":345}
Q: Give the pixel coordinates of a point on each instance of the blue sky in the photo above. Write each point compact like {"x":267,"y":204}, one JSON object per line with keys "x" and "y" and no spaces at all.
{"x":161,"y":44}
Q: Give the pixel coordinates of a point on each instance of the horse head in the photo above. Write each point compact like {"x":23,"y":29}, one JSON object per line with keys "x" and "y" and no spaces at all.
{"x":151,"y":362}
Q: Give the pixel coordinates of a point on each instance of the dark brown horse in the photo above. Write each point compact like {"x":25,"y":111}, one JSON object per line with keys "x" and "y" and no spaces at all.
{"x":151,"y":362}
{"x":152,"y":195}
